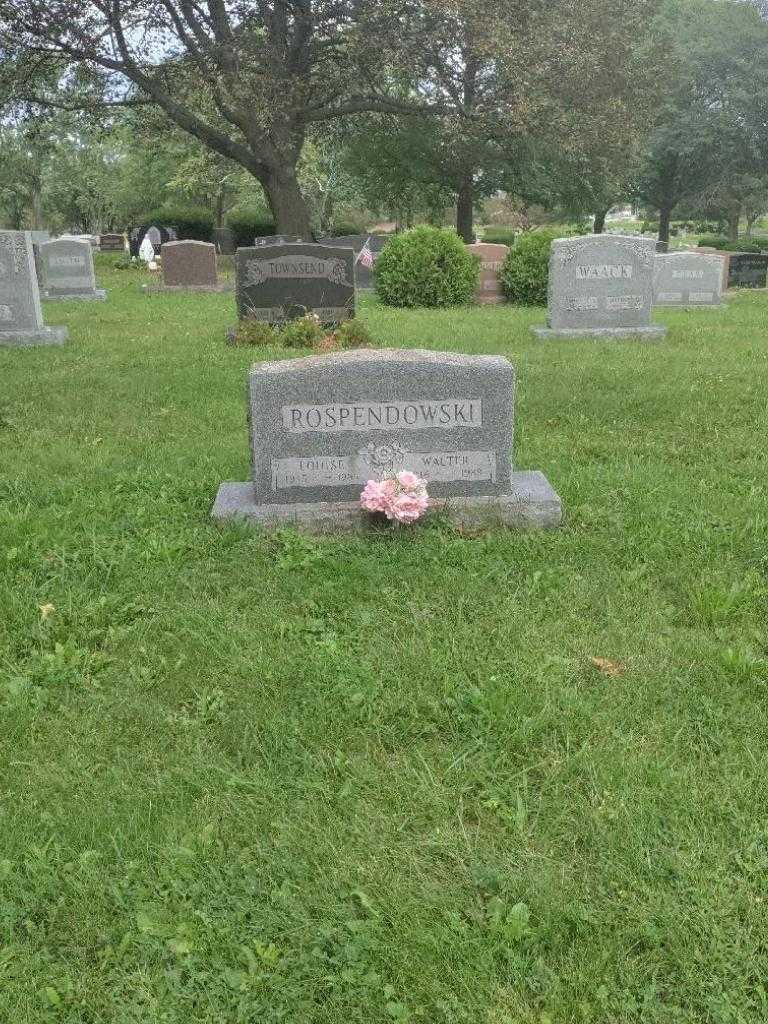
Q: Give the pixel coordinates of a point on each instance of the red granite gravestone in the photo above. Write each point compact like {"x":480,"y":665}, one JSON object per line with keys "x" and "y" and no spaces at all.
{"x":491,"y":261}
{"x":189,"y":264}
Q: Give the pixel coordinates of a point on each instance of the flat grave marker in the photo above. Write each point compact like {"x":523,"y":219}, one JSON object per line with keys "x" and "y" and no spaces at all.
{"x":322,"y":426}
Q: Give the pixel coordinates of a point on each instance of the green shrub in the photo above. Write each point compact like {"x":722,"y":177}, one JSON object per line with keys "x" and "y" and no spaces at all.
{"x":255,"y":332}
{"x":525,"y":274}
{"x":354,"y":334}
{"x":344,"y":228}
{"x":246,"y":225}
{"x":190,"y":221}
{"x":305,"y":332}
{"x":428,"y":267}
{"x":499,"y":236}
{"x":714,"y":241}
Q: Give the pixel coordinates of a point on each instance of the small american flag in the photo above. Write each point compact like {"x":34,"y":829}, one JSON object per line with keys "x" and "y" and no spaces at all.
{"x":366,"y":257}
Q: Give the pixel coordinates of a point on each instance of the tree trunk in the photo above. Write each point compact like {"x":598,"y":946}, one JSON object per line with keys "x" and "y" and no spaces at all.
{"x":733,"y":225}
{"x":37,"y":211}
{"x":600,"y":216}
{"x":287,"y":203}
{"x":665,"y":217}
{"x":220,"y":211}
{"x":465,"y":210}
{"x":751,"y":218}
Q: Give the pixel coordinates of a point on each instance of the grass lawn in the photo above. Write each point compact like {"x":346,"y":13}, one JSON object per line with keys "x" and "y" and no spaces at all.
{"x":251,"y":779}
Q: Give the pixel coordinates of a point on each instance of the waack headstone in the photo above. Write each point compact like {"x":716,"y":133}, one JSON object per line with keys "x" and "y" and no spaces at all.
{"x":322,"y":426}
{"x":190,"y":266}
{"x":747,"y":270}
{"x":278,"y":283}
{"x":601,"y":287}
{"x":66,"y":266}
{"x":688,"y":279}
{"x":21,"y":316}
{"x":492,"y":258}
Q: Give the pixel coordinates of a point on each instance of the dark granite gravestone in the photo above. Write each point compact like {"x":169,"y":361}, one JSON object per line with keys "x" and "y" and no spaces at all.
{"x":492,"y":258}
{"x":21,"y":315}
{"x":278,"y":283}
{"x":66,"y":266}
{"x":688,"y":279}
{"x":322,"y":426}
{"x":112,"y":243}
{"x":263,"y":240}
{"x":601,"y":286}
{"x":189,"y":265}
{"x":158,"y":235}
{"x":747,"y":270}
{"x":375,"y":243}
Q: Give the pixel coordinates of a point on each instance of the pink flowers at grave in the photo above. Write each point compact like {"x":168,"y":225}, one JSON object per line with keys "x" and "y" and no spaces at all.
{"x":402,"y":498}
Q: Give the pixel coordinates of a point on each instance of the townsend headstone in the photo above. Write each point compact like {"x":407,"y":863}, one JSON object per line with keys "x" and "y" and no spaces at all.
{"x":322,"y":426}
{"x":21,"y":316}
{"x":279,"y":283}
{"x":747,"y":270}
{"x":189,"y":266}
{"x":688,"y":279}
{"x":112,"y":243}
{"x":66,"y":266}
{"x":601,"y":286}
{"x":492,"y":258}
{"x":262,"y":240}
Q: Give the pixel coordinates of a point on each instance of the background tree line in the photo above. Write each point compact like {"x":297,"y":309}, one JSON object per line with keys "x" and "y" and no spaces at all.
{"x":312,"y":113}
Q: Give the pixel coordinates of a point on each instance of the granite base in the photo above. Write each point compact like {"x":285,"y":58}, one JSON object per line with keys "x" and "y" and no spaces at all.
{"x":656,"y":332}
{"x":161,"y":289}
{"x":531,"y":504}
{"x":99,"y":295}
{"x":27,"y":339}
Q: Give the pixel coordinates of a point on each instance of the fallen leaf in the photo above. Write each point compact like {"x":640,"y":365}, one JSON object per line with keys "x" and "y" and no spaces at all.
{"x":609,"y":668}
{"x":46,"y":610}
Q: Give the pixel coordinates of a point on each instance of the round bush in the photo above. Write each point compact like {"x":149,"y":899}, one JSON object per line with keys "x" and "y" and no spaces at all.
{"x":525,"y":274}
{"x":426,"y":267}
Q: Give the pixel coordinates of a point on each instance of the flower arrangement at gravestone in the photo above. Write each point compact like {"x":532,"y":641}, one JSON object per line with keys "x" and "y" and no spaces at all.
{"x":402,"y":498}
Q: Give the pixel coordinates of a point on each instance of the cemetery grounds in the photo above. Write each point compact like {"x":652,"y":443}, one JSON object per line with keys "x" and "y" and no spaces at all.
{"x":425,"y":776}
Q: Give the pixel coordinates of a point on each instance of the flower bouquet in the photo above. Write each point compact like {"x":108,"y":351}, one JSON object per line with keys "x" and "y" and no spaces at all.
{"x":402,"y":498}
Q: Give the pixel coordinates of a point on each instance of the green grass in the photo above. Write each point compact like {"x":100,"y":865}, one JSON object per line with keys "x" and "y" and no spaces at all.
{"x":250,"y":778}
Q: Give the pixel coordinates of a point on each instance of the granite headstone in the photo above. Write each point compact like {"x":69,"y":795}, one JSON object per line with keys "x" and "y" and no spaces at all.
{"x":492,"y":258}
{"x":66,"y":265}
{"x":21,"y":315}
{"x":261,"y":240}
{"x":601,"y":287}
{"x":321,"y":426}
{"x":189,"y":265}
{"x":688,"y":279}
{"x":111,"y":243}
{"x":278,"y":283}
{"x":747,"y":270}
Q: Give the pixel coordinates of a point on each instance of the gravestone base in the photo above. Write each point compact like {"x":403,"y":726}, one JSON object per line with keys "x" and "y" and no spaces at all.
{"x":99,"y":295}
{"x":26,"y":339}
{"x":531,"y":504}
{"x":656,"y":332}
{"x":161,"y":289}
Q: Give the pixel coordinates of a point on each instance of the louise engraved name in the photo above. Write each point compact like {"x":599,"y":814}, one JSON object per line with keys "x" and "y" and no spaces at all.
{"x":417,"y":415}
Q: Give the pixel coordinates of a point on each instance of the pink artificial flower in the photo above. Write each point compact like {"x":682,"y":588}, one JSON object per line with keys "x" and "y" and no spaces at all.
{"x":407,"y":508}
{"x":377,"y":495}
{"x":409,"y":481}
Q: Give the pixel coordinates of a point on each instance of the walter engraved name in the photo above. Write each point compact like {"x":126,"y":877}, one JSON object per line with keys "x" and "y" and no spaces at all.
{"x":365,"y":416}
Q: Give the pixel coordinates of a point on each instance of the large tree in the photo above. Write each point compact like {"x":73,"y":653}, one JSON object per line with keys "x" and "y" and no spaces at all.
{"x":245,"y":78}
